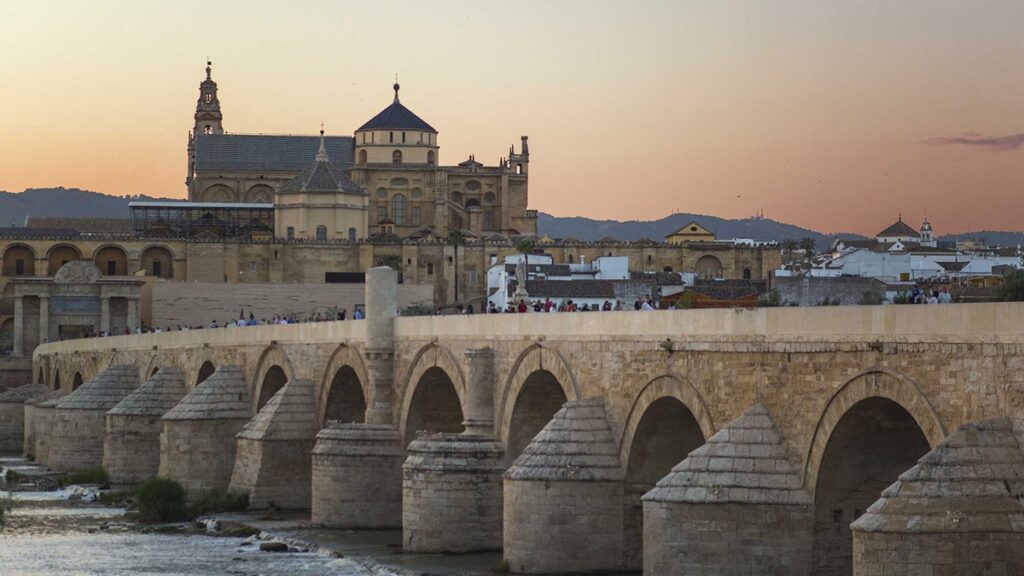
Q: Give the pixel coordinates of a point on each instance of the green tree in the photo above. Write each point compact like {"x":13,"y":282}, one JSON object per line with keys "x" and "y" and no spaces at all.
{"x":456,"y":238}
{"x":789,"y":245}
{"x":1012,"y":288}
{"x":808,"y":246}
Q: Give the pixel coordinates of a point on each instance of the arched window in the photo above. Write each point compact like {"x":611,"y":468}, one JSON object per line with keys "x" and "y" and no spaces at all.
{"x":352,"y":234}
{"x":430,"y":157}
{"x":746,"y":273}
{"x":398,"y":203}
{"x":362,"y":154}
{"x":207,"y":129}
{"x":321,"y":233}
{"x":209,"y":97}
{"x":396,"y":157}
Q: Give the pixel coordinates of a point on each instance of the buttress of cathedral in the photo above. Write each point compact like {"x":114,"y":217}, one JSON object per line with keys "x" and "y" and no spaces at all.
{"x":393,"y":160}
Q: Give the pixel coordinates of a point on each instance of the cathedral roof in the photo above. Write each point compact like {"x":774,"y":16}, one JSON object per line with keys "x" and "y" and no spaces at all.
{"x":321,"y":176}
{"x":267,"y":153}
{"x":397,"y":117}
{"x":900,"y":228}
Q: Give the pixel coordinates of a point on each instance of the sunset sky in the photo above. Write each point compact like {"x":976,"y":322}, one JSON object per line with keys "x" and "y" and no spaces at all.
{"x":831,"y":115}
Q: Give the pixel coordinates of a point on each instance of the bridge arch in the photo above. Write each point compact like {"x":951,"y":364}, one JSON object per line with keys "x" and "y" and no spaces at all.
{"x":344,"y":387}
{"x":667,"y":421}
{"x":205,"y":369}
{"x":434,"y":393}
{"x":273,"y":371}
{"x":152,"y":367}
{"x":77,"y":381}
{"x":539,"y":382}
{"x":874,"y":428}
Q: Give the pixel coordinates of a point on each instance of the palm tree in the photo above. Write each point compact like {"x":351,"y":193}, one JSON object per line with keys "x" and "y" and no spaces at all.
{"x":456,"y":238}
{"x":525,"y":247}
{"x":808,"y":245}
{"x":789,"y":245}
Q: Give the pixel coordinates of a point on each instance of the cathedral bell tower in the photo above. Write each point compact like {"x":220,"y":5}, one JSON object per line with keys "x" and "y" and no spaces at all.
{"x":209,"y":119}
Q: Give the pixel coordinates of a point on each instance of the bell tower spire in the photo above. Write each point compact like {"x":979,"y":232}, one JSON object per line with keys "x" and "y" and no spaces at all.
{"x":209,"y":119}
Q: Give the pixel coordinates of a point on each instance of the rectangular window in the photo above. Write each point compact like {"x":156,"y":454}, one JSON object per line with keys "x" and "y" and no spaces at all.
{"x":489,"y":220}
{"x":382,"y":213}
{"x":391,"y":137}
{"x":252,"y":266}
{"x":430,"y":269}
{"x":415,"y":215}
{"x":472,"y":276}
{"x":19,"y":267}
{"x":111,"y":268}
{"x":321,"y":233}
{"x":403,"y":137}
{"x":291,"y":233}
{"x":157,"y":268}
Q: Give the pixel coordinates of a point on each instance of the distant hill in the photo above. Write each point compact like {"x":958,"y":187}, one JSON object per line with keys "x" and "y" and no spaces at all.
{"x":63,"y":202}
{"x":16,"y":207}
{"x":759,"y":229}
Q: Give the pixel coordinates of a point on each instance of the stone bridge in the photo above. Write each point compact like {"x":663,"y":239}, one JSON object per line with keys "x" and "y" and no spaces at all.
{"x":758,"y":436}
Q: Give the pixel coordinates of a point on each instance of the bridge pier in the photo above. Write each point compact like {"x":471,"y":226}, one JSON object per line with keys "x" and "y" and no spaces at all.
{"x":131,"y":446}
{"x":12,"y":415}
{"x":32,"y":408}
{"x":46,"y":408}
{"x":451,"y":490}
{"x":357,"y":467}
{"x":958,"y":512}
{"x":77,"y":428}
{"x":563,"y":496}
{"x":734,"y":506}
{"x":197,"y":445}
{"x":273,"y":458}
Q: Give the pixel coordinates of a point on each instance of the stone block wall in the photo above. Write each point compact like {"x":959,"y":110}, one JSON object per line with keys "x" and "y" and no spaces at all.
{"x":199,"y":454}
{"x":12,"y":426}
{"x":727,"y":539}
{"x":76,"y":438}
{"x":808,"y":291}
{"x":275,"y":473}
{"x":43,"y":419}
{"x":131,"y":448}
{"x":557,"y":527}
{"x":938,"y":554}
{"x":28,"y":448}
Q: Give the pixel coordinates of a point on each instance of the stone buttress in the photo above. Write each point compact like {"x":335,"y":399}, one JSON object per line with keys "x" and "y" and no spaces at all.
{"x":563,"y":496}
{"x":733,"y":506}
{"x":12,"y":415}
{"x":958,"y":512}
{"x":39,"y":414}
{"x":357,"y":467}
{"x":131,"y":449}
{"x":451,"y":489}
{"x":272,"y":459}
{"x":79,"y":420}
{"x":197,"y":444}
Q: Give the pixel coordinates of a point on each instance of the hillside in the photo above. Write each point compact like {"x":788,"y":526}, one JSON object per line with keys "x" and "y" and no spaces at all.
{"x":15,"y":207}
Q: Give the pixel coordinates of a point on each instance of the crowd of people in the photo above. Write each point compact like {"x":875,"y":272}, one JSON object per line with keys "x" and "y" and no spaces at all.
{"x":919,"y":296}
{"x":547,"y":305}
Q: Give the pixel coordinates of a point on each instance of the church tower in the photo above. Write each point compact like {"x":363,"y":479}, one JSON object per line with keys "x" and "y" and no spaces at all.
{"x":209,"y":119}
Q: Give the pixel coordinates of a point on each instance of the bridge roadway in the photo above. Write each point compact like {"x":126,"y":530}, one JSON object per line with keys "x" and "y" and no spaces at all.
{"x":817,"y":411}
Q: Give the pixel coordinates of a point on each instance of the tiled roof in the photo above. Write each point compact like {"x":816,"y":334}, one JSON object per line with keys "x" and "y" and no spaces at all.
{"x":222,"y":396}
{"x":726,"y":289}
{"x":155,"y":397}
{"x":659,"y":278}
{"x":289,"y":415}
{"x":83,"y":225}
{"x":970,"y":482}
{"x":33,"y":233}
{"x":104,"y":391}
{"x":745,"y":463}
{"x":23,"y":393}
{"x":547,"y":269}
{"x":900,"y":228}
{"x":397,"y":117}
{"x":268,"y":153}
{"x":571,"y":289}
{"x":321,"y":176}
{"x":952,"y":266}
{"x":575,"y":445}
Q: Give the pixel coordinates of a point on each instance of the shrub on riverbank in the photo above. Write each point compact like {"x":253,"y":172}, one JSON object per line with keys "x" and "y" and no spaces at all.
{"x":96,"y":476}
{"x":161,"y":500}
{"x":220,"y":500}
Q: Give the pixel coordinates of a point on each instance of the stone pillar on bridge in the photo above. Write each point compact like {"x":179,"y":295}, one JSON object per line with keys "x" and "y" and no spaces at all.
{"x":357,"y":468}
{"x":105,"y":315}
{"x":12,"y":415}
{"x":44,"y":319}
{"x":19,"y":325}
{"x":564,"y":496}
{"x":451,"y":493}
{"x":959,"y":511}
{"x":132,"y":319}
{"x":31,"y":409}
{"x":734,"y":506}
{"x":45,"y":407}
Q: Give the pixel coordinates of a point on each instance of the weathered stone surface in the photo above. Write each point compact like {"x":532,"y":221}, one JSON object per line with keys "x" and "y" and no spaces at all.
{"x":78,"y":423}
{"x":734,"y":506}
{"x":959,"y":511}
{"x":131,"y":450}
{"x":564,"y":496}
{"x":357,"y":477}
{"x":273,"y":460}
{"x":41,"y":411}
{"x":12,"y":415}
{"x":451,"y":494}
{"x":197,"y":444}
